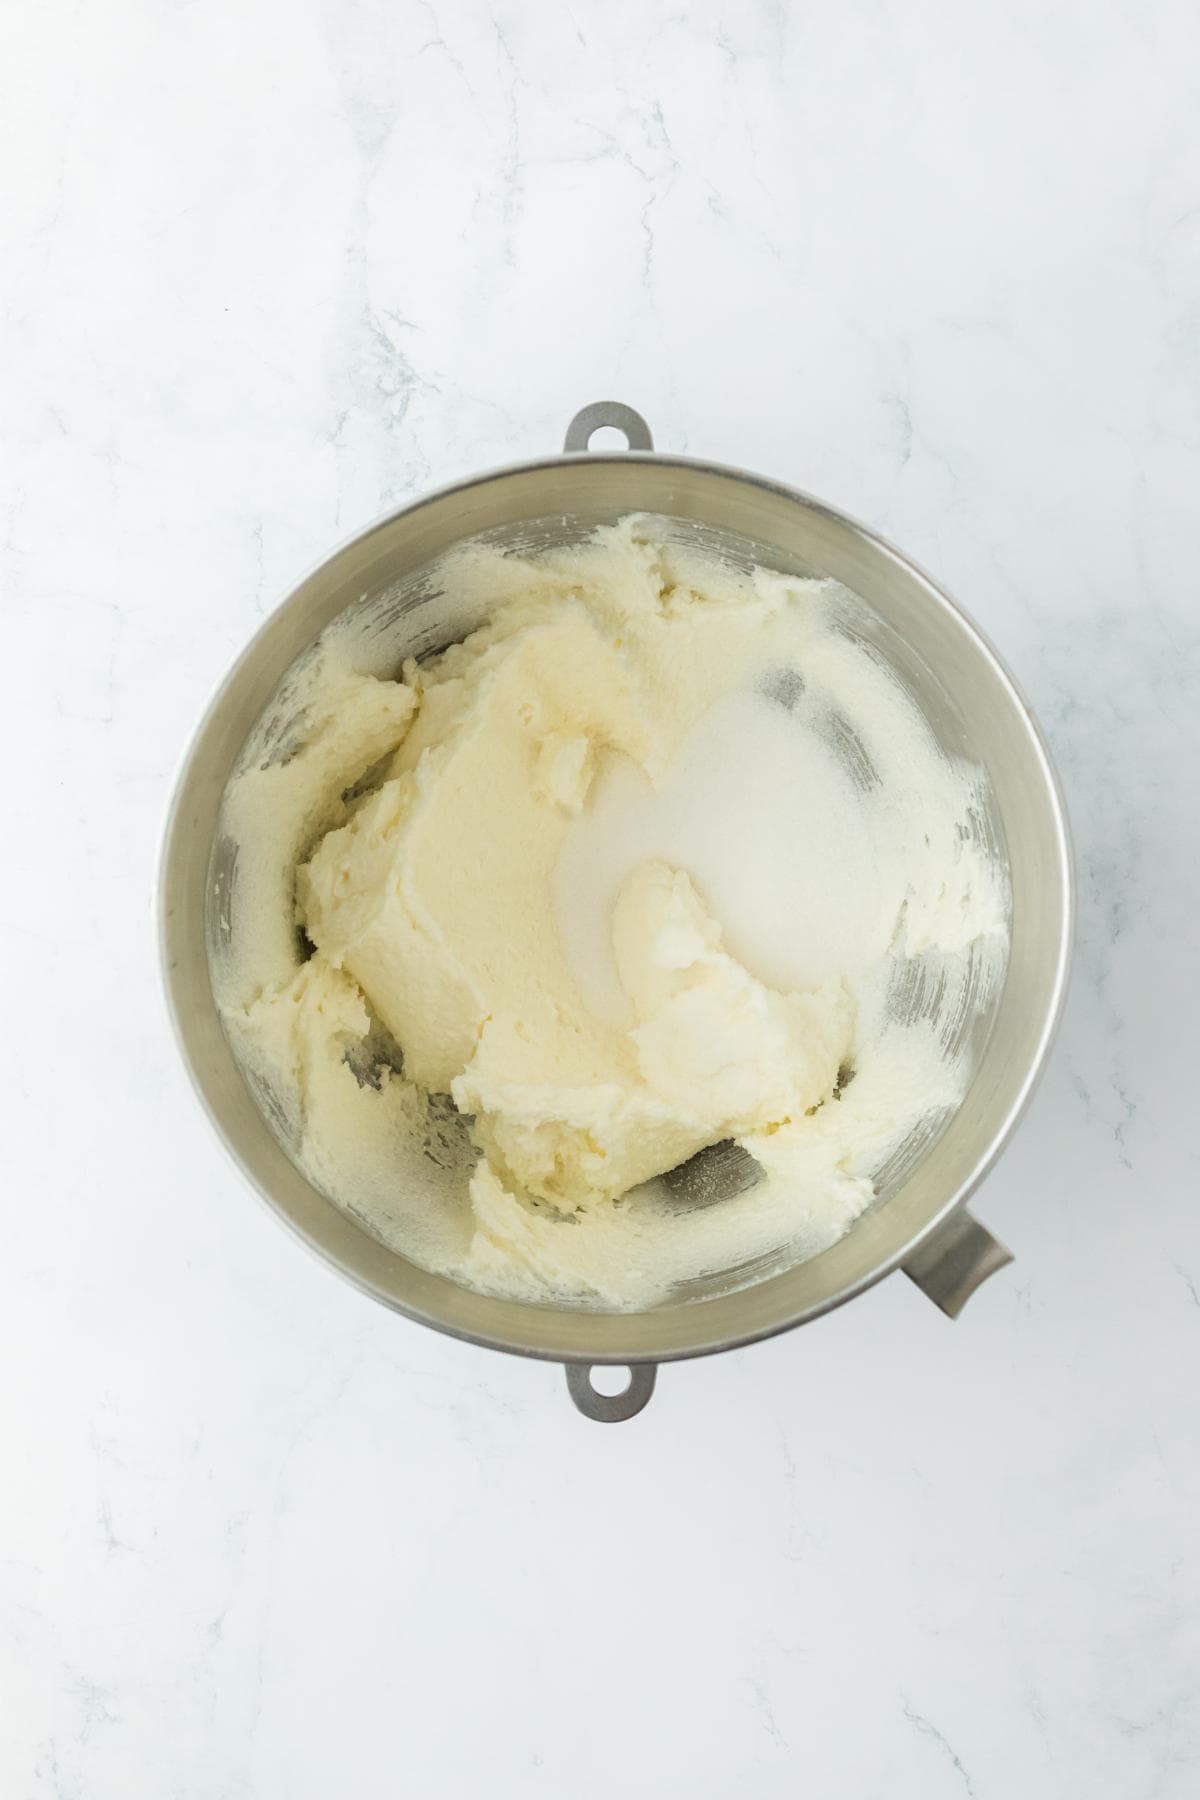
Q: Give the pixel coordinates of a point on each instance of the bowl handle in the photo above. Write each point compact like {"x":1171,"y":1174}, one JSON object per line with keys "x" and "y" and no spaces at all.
{"x":951,"y":1264}
{"x":609,"y":1409}
{"x":608,"y":412}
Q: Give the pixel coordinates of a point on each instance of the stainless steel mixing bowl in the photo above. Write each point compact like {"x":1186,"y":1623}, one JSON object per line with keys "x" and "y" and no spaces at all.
{"x":973,"y":706}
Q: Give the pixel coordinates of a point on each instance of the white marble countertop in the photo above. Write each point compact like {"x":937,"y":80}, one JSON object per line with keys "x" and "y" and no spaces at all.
{"x":270,"y":269}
